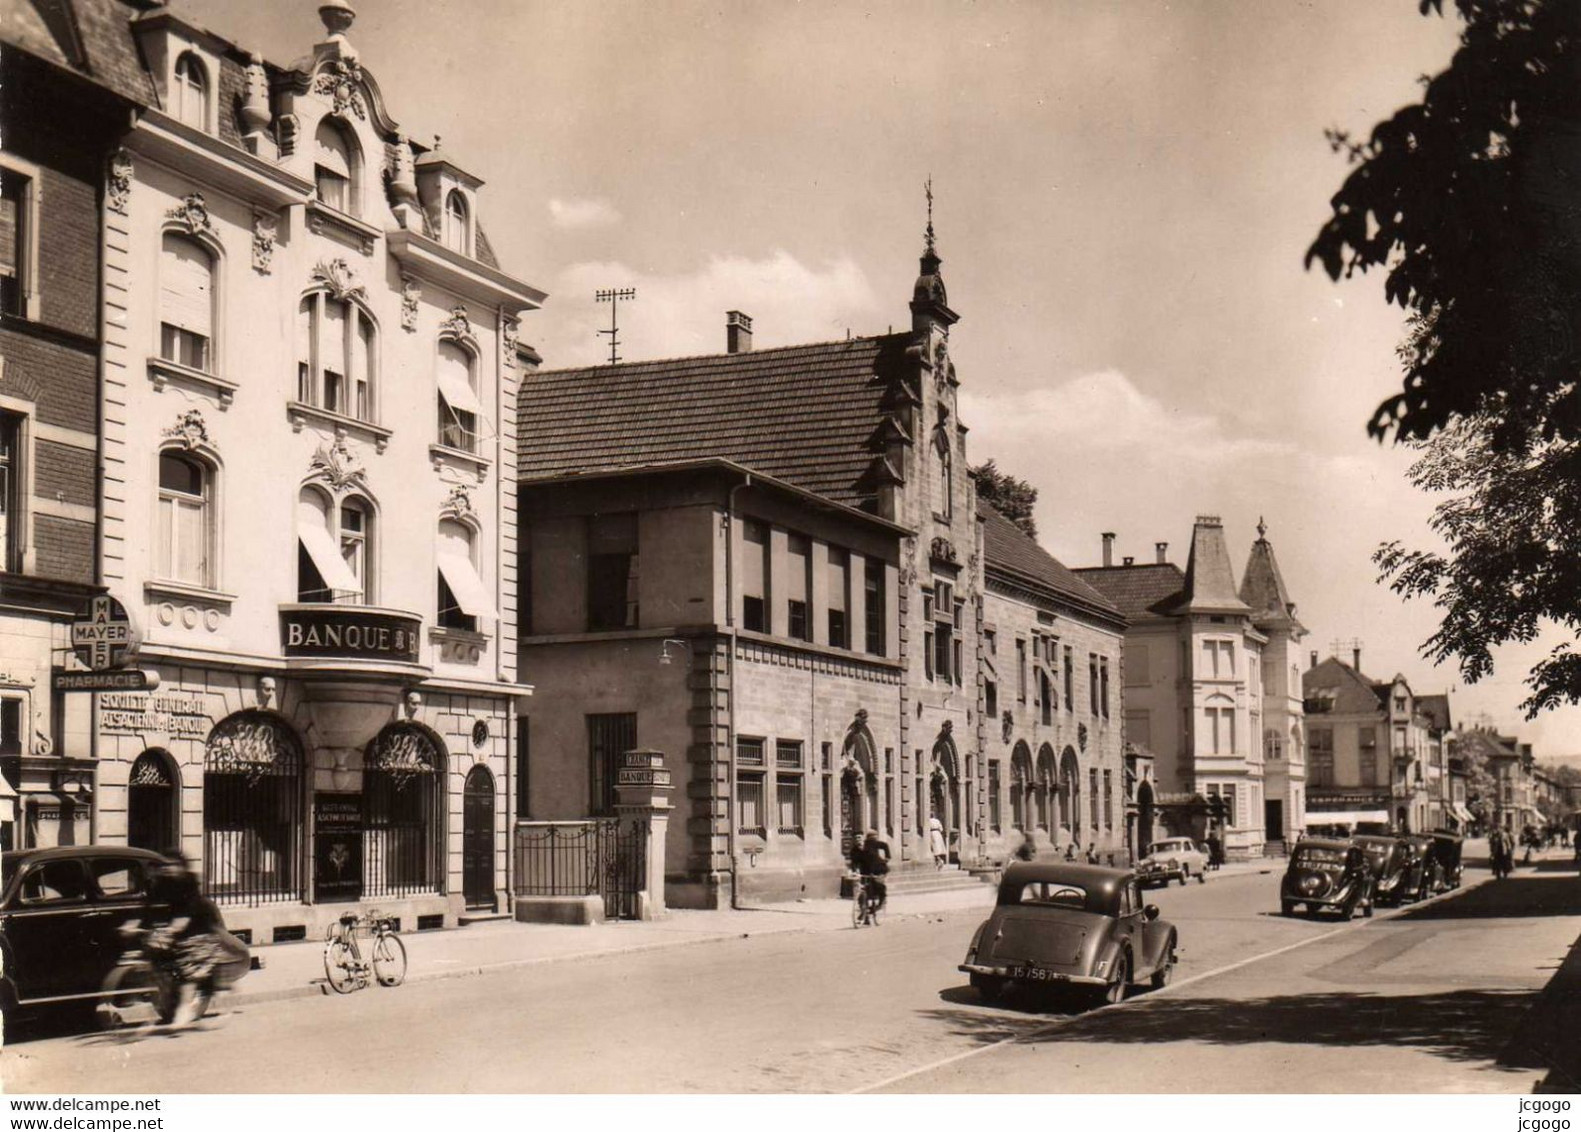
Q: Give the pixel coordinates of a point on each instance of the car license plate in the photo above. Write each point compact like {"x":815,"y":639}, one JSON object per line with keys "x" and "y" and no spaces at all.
{"x":1037,"y":975}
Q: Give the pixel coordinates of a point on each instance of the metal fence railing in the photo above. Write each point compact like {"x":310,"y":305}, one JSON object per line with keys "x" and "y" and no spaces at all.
{"x":606,"y":857}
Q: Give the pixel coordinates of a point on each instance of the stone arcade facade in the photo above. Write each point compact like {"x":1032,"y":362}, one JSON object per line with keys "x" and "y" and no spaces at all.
{"x":310,"y":369}
{"x":769,"y":565}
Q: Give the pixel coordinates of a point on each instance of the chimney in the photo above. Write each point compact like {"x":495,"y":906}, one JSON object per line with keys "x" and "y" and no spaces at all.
{"x":1129,"y":561}
{"x":1162,"y":550}
{"x":738,"y":333}
{"x":1312,"y":663}
{"x":1108,"y":548}
{"x":1355,"y":657}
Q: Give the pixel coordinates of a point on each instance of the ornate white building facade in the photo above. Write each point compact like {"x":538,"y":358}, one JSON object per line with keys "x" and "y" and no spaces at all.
{"x":310,"y":372}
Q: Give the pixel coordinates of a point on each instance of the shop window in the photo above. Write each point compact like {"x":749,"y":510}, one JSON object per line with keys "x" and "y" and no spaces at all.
{"x":613,"y":563}
{"x":189,"y":101}
{"x":184,"y":534}
{"x":609,"y":737}
{"x":463,"y":600}
{"x":459,"y":407}
{"x":336,"y":357}
{"x":186,"y":303}
{"x":754,"y":576}
{"x":335,"y":168}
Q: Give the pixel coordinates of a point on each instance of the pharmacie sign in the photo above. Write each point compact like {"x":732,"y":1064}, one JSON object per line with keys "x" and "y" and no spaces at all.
{"x":103,"y":635}
{"x":350,"y":634}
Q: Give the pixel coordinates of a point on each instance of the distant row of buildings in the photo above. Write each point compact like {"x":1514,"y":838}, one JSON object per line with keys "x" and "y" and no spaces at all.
{"x":401,"y":593}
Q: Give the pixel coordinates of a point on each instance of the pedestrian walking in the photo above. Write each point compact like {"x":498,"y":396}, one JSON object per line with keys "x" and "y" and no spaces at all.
{"x":936,"y":843}
{"x":1028,"y":849}
{"x":1092,"y":852}
{"x":1070,"y":851}
{"x":1215,"y":850}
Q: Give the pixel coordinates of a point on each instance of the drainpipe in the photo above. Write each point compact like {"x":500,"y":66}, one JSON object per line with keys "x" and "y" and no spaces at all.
{"x":730,"y":662}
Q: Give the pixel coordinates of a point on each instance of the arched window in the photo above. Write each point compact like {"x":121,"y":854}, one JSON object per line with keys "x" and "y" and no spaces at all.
{"x":334,"y":562}
{"x":335,"y":168}
{"x":1020,"y":782}
{"x":184,"y":525}
{"x":459,"y":407}
{"x":252,"y":810}
{"x":1045,"y":787}
{"x":186,"y":303}
{"x":403,"y":812}
{"x":1070,"y":793}
{"x":336,"y":356}
{"x":457,"y":231}
{"x":463,"y":599}
{"x":153,"y":809}
{"x":189,"y":95}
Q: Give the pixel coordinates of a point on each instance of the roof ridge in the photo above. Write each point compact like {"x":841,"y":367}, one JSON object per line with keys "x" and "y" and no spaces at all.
{"x":743,"y":354}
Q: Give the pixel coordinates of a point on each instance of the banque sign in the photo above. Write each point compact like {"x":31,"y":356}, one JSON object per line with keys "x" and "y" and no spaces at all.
{"x":350,"y":634}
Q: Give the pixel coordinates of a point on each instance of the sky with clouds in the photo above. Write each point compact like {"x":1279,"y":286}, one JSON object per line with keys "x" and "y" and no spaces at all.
{"x":1124,"y":195}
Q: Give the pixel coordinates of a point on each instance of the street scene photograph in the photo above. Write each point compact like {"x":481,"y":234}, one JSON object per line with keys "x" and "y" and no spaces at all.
{"x":914,"y":549}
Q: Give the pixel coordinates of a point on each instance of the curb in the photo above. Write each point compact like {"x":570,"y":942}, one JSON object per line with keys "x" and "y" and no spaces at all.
{"x":318,"y":988}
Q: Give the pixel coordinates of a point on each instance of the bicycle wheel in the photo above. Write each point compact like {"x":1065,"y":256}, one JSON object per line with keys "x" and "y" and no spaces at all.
{"x":858,"y":908}
{"x":340,"y":966}
{"x":389,"y":960}
{"x":131,"y":997}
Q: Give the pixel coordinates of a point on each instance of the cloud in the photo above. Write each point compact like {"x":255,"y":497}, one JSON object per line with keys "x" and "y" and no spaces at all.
{"x":684,"y":314}
{"x":582,"y":213}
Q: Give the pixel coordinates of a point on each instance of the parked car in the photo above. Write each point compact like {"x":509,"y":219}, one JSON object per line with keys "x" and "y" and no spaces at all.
{"x":1326,"y":875}
{"x":1446,"y":851}
{"x":1174,"y":858}
{"x":1389,"y":858}
{"x":61,"y":913}
{"x":1071,"y":927}
{"x":1423,"y":874}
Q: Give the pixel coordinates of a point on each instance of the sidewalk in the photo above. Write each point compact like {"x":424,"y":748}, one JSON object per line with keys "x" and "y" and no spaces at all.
{"x":293,"y":970}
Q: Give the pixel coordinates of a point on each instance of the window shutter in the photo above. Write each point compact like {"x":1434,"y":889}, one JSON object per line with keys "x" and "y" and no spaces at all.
{"x":187,"y":287}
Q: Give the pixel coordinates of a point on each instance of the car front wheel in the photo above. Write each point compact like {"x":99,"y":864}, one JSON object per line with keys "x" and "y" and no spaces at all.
{"x":1185,"y":875}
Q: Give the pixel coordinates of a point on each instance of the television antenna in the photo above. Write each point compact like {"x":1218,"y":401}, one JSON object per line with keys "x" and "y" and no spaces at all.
{"x":613,"y":297}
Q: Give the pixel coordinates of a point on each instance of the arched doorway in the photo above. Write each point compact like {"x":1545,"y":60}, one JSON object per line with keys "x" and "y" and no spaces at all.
{"x":153,"y":803}
{"x":403,"y":812}
{"x":858,"y":785}
{"x":1020,"y":785}
{"x":252,"y":809}
{"x":1070,"y":794}
{"x":1047,"y":819}
{"x":477,"y":838}
{"x":945,"y":791}
{"x":1144,"y":818}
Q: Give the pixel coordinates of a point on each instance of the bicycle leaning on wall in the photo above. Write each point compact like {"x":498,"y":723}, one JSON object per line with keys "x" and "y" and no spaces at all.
{"x":345,"y":967}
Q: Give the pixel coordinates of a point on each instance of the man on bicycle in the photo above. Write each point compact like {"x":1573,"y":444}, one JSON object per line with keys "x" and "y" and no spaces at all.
{"x":872,"y":862}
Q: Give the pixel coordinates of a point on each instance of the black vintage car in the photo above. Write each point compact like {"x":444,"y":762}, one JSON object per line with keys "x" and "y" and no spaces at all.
{"x":1424,"y":876}
{"x":1390,"y":860}
{"x":1071,"y":927}
{"x":1327,"y":875}
{"x":1446,"y":851}
{"x":61,"y":911}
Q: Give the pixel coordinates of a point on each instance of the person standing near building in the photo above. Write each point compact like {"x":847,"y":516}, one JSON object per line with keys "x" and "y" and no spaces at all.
{"x":936,"y":843}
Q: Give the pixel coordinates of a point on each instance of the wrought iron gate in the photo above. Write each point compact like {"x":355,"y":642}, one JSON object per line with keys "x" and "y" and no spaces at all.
{"x":606,"y":857}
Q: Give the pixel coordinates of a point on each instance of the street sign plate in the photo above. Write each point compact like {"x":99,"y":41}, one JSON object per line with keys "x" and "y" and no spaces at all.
{"x":104,"y":636}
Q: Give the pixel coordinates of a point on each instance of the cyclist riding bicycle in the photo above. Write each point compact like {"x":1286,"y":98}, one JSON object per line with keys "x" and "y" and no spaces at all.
{"x":872,"y":862}
{"x":181,"y":921}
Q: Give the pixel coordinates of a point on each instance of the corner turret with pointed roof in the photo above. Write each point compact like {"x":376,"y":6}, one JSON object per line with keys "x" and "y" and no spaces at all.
{"x":1263,"y":588}
{"x":1210,"y":581}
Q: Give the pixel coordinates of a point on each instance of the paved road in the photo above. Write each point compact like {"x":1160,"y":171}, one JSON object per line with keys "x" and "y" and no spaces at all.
{"x":856,"y":1009}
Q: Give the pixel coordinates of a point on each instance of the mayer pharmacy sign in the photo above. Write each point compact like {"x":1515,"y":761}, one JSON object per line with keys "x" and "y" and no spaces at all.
{"x":103,"y":635}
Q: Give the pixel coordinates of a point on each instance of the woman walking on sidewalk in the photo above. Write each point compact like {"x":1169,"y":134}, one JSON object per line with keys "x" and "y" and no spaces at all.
{"x":936,"y":844}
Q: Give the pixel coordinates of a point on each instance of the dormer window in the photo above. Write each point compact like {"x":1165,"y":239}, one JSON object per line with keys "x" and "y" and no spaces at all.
{"x":456,"y":220}
{"x":334,"y":166}
{"x":189,"y":93}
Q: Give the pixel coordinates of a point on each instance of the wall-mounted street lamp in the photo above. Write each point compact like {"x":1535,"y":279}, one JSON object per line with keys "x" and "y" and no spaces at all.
{"x":664,"y":651}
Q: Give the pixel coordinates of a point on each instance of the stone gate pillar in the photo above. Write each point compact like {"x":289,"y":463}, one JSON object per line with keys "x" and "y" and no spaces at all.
{"x":642,"y":787}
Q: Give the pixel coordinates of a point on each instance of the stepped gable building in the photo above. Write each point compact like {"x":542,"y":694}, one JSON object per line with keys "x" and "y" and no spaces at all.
{"x":59,"y":64}
{"x":310,"y":364}
{"x":768,"y":565}
{"x":1193,"y":686}
{"x":1283,"y":737}
{"x":1052,"y":711}
{"x":1370,"y":744}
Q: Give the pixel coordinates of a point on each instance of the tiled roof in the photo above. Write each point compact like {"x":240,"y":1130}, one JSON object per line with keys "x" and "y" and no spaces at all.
{"x":1436,"y":708}
{"x":803,"y":414}
{"x":1353,"y":692}
{"x":1210,"y":580}
{"x":1142,"y":593}
{"x":1263,"y":587}
{"x":1009,"y":548}
{"x":103,"y":28}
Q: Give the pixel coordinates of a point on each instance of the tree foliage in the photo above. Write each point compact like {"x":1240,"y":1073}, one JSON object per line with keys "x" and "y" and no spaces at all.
{"x":1011,"y":497}
{"x":1470,"y":201}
